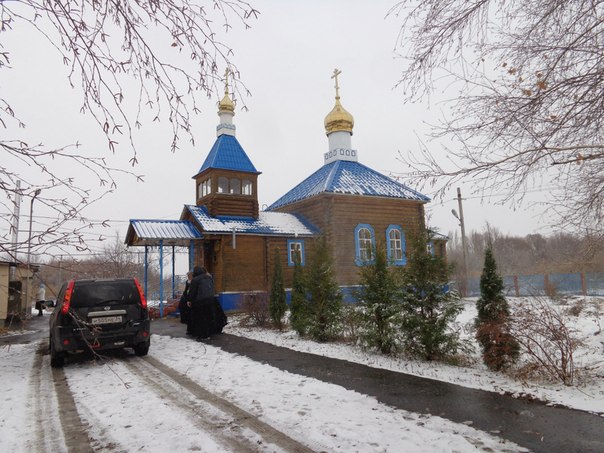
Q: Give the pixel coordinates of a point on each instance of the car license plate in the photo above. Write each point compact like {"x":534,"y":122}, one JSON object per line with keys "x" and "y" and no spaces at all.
{"x":106,"y":320}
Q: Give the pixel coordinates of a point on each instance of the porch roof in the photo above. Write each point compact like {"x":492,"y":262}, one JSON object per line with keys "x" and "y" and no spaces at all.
{"x":267,"y":224}
{"x":152,"y":231}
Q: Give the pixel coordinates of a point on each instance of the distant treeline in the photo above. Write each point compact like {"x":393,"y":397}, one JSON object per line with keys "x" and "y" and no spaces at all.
{"x":534,"y":254}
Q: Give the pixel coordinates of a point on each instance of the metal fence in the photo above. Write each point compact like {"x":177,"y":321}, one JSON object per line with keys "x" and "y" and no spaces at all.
{"x":587,"y":284}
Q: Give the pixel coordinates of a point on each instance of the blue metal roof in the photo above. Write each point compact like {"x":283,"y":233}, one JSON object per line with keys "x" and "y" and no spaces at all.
{"x":348,"y":177}
{"x":150,"y":232}
{"x":268,"y":223}
{"x":227,"y":154}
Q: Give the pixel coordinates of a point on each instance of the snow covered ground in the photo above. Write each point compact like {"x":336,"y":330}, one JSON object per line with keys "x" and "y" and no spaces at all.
{"x":185,"y":397}
{"x":588,"y":396}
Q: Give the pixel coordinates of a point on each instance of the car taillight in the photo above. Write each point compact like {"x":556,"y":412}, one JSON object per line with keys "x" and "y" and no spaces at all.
{"x":141,"y":293}
{"x":67,"y":297}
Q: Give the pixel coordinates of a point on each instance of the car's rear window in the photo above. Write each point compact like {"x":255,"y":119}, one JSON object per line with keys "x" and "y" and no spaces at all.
{"x":89,"y":294}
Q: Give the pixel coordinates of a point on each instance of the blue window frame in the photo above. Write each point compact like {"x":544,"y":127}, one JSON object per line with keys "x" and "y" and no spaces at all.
{"x":430,"y":247}
{"x":396,"y":245}
{"x":364,"y":240}
{"x":295,"y":248}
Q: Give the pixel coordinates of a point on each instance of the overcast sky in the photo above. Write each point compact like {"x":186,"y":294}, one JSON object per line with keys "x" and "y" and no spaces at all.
{"x":286,"y":60}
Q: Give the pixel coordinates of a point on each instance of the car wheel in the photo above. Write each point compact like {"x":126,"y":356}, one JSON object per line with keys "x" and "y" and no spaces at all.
{"x":57,"y":359}
{"x":141,"y":349}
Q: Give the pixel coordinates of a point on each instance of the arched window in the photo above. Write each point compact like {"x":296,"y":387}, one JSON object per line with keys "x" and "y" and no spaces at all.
{"x":205,"y":188}
{"x":396,"y":246}
{"x":223,"y":185}
{"x":295,"y":252}
{"x":246,"y":188}
{"x":235,"y":186}
{"x":430,"y":247}
{"x":364,"y":242}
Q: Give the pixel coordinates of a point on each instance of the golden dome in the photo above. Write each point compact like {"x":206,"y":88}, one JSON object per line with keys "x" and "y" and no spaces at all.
{"x":338,"y":119}
{"x":226,"y":104}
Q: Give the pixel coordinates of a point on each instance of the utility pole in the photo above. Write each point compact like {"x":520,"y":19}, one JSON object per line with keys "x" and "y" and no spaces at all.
{"x":29,"y":276}
{"x":15,"y":227}
{"x":463,"y":287}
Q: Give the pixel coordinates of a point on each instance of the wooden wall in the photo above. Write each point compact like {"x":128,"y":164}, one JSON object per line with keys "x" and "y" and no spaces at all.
{"x":4,"y":281}
{"x":225,"y":203}
{"x":250,"y":266}
{"x":337,"y":215}
{"x":231,"y":205}
{"x":247,"y":267}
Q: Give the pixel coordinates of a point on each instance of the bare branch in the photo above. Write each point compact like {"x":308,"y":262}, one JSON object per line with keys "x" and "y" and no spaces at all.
{"x":527,"y":79}
{"x":170,"y":50}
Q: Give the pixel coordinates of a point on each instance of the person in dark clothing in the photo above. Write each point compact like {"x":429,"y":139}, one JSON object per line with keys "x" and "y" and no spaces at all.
{"x":201,"y":296}
{"x":183,"y":306}
{"x":219,"y":317}
{"x":40,"y":307}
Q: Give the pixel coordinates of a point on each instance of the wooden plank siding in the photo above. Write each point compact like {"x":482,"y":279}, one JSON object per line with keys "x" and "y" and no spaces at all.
{"x":231,"y":205}
{"x":247,"y":267}
{"x":337,"y":216}
{"x":227,"y":203}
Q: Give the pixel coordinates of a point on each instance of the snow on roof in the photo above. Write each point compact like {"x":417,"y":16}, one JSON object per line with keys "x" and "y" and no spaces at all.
{"x":348,"y":177}
{"x":228,"y":154}
{"x":268,"y":223}
{"x":150,"y":231}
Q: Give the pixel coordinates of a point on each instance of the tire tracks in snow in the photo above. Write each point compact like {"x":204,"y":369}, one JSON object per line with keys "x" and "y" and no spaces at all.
{"x":55,"y":421}
{"x":238,"y":429}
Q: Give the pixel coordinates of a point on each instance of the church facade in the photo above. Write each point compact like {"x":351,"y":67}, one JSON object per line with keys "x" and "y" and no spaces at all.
{"x":354,"y":207}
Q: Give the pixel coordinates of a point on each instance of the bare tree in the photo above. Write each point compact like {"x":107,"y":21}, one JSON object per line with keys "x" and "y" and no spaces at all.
{"x":524,"y":82}
{"x":533,"y":254}
{"x":116,"y":260}
{"x":116,"y":58}
{"x":547,"y":340}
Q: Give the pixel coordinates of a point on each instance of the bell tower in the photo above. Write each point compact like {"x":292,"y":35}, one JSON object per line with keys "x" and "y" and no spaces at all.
{"x":227,"y":182}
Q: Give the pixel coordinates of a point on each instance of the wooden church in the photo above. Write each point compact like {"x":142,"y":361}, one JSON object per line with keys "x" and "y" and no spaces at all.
{"x":351,"y":205}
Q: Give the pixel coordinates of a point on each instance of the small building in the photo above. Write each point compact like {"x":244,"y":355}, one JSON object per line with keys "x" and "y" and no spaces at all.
{"x":15,"y":279}
{"x":353,"y":206}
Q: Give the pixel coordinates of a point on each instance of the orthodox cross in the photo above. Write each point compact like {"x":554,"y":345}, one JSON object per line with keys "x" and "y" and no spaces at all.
{"x":226,"y":81}
{"x":336,"y":73}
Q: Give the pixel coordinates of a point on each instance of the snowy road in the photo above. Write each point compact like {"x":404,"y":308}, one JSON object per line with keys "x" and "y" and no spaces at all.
{"x":187,"y":396}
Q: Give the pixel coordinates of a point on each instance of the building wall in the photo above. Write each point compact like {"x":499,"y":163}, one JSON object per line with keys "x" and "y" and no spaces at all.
{"x":4,"y":276}
{"x":249,"y":267}
{"x":226,"y":203}
{"x":337,"y":215}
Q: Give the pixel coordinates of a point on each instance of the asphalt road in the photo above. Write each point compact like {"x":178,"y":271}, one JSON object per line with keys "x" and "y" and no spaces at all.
{"x":531,"y":424}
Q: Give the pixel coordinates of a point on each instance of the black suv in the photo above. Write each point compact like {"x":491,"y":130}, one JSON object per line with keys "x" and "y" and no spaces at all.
{"x":92,"y":315}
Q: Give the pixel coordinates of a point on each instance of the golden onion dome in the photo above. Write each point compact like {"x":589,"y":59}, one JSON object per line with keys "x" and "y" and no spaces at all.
{"x":226,"y":104}
{"x":338,"y":119}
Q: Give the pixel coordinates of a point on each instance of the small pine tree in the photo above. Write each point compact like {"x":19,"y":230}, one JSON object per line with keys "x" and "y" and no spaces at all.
{"x":429,"y":306}
{"x":380,"y":303}
{"x":325,"y":298}
{"x":299,"y":303}
{"x":499,"y":348}
{"x":277,"y":305}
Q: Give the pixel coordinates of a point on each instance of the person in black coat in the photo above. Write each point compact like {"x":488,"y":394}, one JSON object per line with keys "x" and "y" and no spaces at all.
{"x":183,"y":305}
{"x":201,"y":294}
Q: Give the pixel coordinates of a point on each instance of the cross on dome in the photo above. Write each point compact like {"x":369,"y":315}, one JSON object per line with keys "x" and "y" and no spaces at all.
{"x":226,"y":81}
{"x":336,"y":73}
{"x":338,"y":119}
{"x":226,"y":104}
{"x":226,"y":109}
